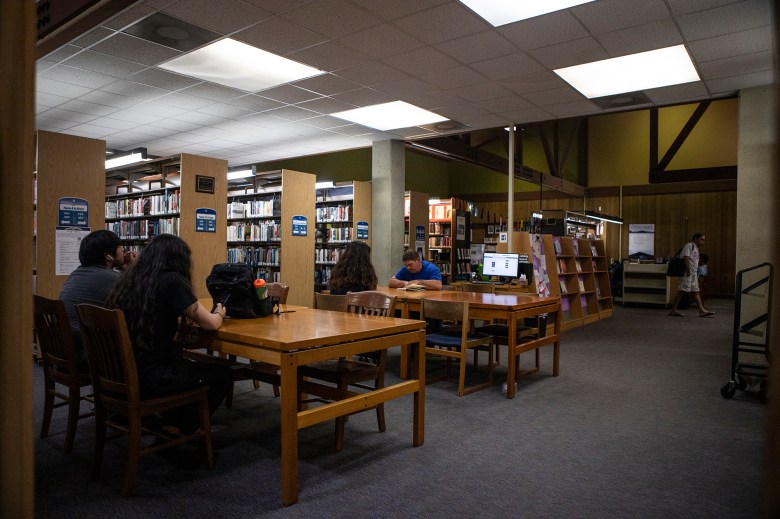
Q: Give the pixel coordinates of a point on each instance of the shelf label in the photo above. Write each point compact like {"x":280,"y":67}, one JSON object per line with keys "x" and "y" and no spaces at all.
{"x":73,"y":212}
{"x":205,"y":220}
{"x":300,"y":225}
{"x":362,"y":230}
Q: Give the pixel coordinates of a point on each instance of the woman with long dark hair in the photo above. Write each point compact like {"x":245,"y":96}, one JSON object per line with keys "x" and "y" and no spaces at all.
{"x":156,"y":296}
{"x":353,"y":271}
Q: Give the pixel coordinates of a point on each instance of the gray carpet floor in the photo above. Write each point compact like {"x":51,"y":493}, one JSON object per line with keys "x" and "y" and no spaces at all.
{"x":633,"y":427}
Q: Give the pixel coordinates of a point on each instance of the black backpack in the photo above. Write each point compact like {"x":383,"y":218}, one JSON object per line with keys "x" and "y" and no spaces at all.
{"x":231,"y":285}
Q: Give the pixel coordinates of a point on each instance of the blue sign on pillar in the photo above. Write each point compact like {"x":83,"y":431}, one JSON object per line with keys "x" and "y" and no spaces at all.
{"x":205,"y":220}
{"x":300,"y":225}
{"x":362,"y":230}
{"x":73,"y":212}
{"x":419,"y":233}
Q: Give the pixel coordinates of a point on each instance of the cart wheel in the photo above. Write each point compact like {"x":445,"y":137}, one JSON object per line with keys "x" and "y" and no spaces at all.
{"x":741,"y":383}
{"x":727,"y":391}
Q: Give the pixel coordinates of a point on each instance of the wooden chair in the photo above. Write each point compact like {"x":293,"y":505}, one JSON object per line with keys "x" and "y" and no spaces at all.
{"x":330,"y":302}
{"x":451,"y":288}
{"x":279,"y":291}
{"x":60,"y":366}
{"x":482,"y":288}
{"x":117,"y":393}
{"x":527,"y":329}
{"x":455,"y":343}
{"x":364,"y":372}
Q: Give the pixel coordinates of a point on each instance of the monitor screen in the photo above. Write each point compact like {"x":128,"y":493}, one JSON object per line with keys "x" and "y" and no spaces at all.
{"x":499,"y":264}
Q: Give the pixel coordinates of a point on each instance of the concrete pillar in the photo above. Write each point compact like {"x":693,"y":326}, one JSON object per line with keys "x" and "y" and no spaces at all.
{"x":388,"y":175}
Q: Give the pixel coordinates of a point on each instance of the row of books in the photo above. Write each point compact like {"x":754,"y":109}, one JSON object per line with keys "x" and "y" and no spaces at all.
{"x":255,"y":256}
{"x":439,"y":241}
{"x":463,"y":253}
{"x":144,"y":229}
{"x":335,"y":235}
{"x":438,"y":228}
{"x":463,"y":268}
{"x":254,"y":209}
{"x":337,"y":213}
{"x":327,"y":255}
{"x":165,"y":203}
{"x":262,"y":231}
{"x":322,"y":276}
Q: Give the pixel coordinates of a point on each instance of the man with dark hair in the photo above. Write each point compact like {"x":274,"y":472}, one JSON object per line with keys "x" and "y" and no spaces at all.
{"x":100,"y":252}
{"x":416,"y":271}
{"x":689,"y":283}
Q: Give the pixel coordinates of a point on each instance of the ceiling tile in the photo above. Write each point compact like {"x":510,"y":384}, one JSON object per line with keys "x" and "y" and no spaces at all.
{"x":681,"y":7}
{"x":687,"y":91}
{"x":611,"y":15}
{"x":289,"y":94}
{"x":556,"y":96}
{"x":68,"y":115}
{"x":135,"y":90}
{"x":332,"y":18}
{"x":452,"y":20}
{"x":364,"y":97}
{"x":291,"y":113}
{"x":421,"y":61}
{"x":731,"y":84}
{"x":63,"y":53}
{"x":507,"y":66}
{"x":225,"y":16}
{"x":505,"y":104}
{"x":655,"y":35}
{"x":79,"y":77}
{"x":382,"y":40}
{"x":736,"y":17}
{"x":129,"y":16}
{"x":323,"y":122}
{"x":434,"y":101}
{"x":109,"y":99}
{"x":180,"y":100}
{"x":51,"y":86}
{"x":352,"y":130}
{"x":371,"y":73}
{"x":326,"y":105}
{"x":254,"y":103}
{"x":92,"y":37}
{"x":542,"y":31}
{"x":575,"y":52}
{"x":97,"y":62}
{"x":278,"y":6}
{"x":734,"y":44}
{"x":52,"y":124}
{"x":462,"y":112}
{"x":481,"y":92}
{"x":327,"y":84}
{"x":135,"y":49}
{"x":407,"y":87}
{"x":478,"y":47}
{"x":574,"y":109}
{"x":736,"y":65}
{"x":328,"y":56}
{"x":213,"y":92}
{"x":160,"y":108}
{"x":164,"y":79}
{"x":42,"y":65}
{"x":43,"y":99}
{"x":176,"y":125}
{"x":224,"y":110}
{"x":528,"y":115}
{"x":279,"y":36}
{"x":453,"y":77}
{"x":136,"y":116}
{"x":391,"y":10}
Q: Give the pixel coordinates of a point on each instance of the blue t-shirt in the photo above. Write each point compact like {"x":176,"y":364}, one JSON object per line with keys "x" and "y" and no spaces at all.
{"x":428,"y":271}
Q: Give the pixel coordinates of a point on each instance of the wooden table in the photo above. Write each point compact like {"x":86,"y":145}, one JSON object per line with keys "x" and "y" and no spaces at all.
{"x":507,"y":306}
{"x":300,"y":336}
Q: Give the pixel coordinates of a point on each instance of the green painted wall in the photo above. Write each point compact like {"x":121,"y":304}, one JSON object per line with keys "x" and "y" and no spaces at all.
{"x":341,"y":166}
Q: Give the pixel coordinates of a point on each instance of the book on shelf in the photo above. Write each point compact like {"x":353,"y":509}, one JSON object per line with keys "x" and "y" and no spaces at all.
{"x":562,"y":283}
{"x":582,"y":285}
{"x":578,"y":265}
{"x":557,"y":246}
{"x":593,"y":250}
{"x":561,"y":266}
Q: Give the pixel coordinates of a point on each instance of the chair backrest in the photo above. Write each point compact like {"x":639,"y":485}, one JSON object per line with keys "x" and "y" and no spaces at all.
{"x":278,"y":290}
{"x":110,"y":354}
{"x":55,"y":336}
{"x":371,"y":302}
{"x":483,"y":288}
{"x":451,"y":288}
{"x":457,"y":311}
{"x":330,"y":302}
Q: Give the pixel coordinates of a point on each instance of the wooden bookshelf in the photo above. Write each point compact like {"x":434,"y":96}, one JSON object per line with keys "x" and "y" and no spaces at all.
{"x":601,"y":276}
{"x":586,"y":280}
{"x":166,"y":195}
{"x":448,"y":240}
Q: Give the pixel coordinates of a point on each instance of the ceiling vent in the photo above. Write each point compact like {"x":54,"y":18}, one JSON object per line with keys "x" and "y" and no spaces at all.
{"x":172,"y":32}
{"x":622,"y":100}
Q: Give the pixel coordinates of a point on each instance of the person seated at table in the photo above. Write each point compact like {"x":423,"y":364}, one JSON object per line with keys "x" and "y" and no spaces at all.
{"x":101,"y":258}
{"x":416,"y":271}
{"x":157,"y":298}
{"x":354,"y":271}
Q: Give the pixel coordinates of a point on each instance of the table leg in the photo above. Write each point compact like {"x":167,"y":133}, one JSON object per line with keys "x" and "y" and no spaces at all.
{"x":418,"y":434}
{"x":289,"y":419}
{"x":511,"y":368}
{"x":405,"y":360}
{"x":557,"y":345}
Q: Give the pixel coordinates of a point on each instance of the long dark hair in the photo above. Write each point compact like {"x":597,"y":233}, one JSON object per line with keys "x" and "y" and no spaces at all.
{"x":135,"y":292}
{"x":353,"y":270}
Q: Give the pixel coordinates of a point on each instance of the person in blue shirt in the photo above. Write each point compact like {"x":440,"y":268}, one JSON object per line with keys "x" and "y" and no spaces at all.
{"x":416,"y":271}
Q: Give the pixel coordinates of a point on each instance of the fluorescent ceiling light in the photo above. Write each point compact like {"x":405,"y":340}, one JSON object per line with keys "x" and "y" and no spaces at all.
{"x":243,"y":173}
{"x":651,"y":69}
{"x":238,"y":65}
{"x":389,"y":116}
{"x":502,"y":12}
{"x":137,"y":155}
{"x":325,"y":184}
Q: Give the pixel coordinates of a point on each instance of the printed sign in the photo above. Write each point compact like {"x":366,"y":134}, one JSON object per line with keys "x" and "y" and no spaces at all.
{"x":419,"y":233}
{"x":205,"y":220}
{"x":73,"y":212}
{"x":523,"y":258}
{"x":503,"y":237}
{"x":300,"y":225}
{"x":362,"y":230}
{"x":66,"y":250}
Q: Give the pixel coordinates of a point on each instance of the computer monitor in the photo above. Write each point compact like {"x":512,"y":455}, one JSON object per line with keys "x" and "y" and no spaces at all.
{"x":500,"y":264}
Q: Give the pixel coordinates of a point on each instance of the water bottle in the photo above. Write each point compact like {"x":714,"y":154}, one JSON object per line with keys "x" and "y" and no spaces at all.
{"x":504,"y":387}
{"x":260,"y":287}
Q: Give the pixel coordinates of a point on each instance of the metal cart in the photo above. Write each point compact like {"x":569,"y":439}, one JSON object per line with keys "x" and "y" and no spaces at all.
{"x":750,"y":356}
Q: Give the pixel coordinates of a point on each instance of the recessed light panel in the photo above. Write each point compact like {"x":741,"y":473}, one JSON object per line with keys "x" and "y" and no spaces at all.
{"x":238,"y":65}
{"x":652,"y":69}
{"x":502,"y":12}
{"x":390,"y":116}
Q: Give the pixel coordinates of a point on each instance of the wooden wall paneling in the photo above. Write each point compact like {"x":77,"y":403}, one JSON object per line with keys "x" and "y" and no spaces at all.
{"x":68,"y":166}
{"x":208,"y":248}
{"x":361,"y":208}
{"x":297,"y":252}
{"x":17,"y":124}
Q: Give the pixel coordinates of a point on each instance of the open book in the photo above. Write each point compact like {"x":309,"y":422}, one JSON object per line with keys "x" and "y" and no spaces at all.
{"x":413,"y":288}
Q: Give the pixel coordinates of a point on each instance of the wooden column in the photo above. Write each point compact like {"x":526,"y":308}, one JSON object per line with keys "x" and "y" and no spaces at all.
{"x":17,"y":39}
